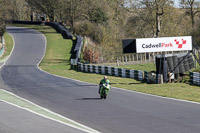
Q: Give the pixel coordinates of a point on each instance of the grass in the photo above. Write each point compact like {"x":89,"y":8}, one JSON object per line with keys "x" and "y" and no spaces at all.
{"x":143,"y":67}
{"x":53,"y":60}
{"x":8,"y":46}
{"x":56,"y":61}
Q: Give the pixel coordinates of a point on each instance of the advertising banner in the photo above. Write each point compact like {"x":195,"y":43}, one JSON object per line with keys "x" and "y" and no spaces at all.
{"x":146,"y":45}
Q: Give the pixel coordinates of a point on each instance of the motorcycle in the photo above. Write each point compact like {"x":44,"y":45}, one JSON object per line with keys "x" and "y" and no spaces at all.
{"x":105,"y":88}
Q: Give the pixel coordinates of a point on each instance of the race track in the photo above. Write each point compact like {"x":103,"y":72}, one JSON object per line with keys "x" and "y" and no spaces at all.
{"x":122,"y":112}
{"x":16,"y":120}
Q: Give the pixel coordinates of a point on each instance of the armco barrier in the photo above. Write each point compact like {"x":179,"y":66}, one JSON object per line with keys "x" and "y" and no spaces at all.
{"x":194,"y":78}
{"x":112,"y":71}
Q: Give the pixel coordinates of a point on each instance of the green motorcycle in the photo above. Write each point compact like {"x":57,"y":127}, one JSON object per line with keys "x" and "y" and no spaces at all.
{"x":105,"y":88}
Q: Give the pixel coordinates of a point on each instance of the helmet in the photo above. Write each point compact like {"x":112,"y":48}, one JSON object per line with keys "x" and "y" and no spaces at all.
{"x":105,"y":77}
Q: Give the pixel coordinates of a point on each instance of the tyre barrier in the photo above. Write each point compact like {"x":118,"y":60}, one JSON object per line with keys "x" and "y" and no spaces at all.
{"x":28,"y":22}
{"x":111,"y":71}
{"x":194,"y":78}
{"x":60,"y":29}
{"x":67,"y":35}
{"x":176,"y":63}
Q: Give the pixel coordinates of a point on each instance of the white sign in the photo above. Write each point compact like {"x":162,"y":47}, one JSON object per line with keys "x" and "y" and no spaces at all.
{"x":164,"y":44}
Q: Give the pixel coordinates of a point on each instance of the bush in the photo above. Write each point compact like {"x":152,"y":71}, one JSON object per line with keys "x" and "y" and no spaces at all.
{"x":91,"y":56}
{"x":98,"y":16}
{"x":90,"y":30}
{"x":2,"y":29}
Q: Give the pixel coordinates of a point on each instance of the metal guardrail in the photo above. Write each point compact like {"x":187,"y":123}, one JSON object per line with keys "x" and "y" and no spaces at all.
{"x":194,"y":78}
{"x":111,"y":71}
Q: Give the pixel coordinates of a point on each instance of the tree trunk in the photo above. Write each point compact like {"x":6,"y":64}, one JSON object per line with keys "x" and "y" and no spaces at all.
{"x":192,"y":16}
{"x":157,"y":24}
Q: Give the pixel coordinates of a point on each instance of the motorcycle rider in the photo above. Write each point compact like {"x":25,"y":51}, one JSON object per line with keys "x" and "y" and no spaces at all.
{"x":103,"y":81}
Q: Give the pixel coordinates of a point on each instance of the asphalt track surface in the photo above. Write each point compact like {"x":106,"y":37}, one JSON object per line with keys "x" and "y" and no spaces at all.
{"x":122,"y":112}
{"x":16,"y":120}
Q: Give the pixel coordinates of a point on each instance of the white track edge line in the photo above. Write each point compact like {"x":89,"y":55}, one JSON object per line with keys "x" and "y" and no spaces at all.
{"x":61,"y":122}
{"x":168,"y":98}
{"x":86,"y":127}
{"x":49,"y":111}
{"x":132,"y":91}
{"x":10,"y":52}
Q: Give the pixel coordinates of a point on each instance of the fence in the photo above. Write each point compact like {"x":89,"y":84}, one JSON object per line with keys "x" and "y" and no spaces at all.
{"x":111,"y":71}
{"x":194,"y":78}
{"x":142,"y":57}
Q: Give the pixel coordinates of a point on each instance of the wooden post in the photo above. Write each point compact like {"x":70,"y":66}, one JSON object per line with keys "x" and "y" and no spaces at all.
{"x":133,"y":55}
{"x":126,"y":59}
{"x":117,"y":61}
{"x":122,"y":58}
{"x":195,"y":52}
{"x":149,"y":57}
{"x":153,"y":55}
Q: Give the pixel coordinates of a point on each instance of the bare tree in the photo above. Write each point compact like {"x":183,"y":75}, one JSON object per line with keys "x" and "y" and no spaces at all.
{"x":151,"y":13}
{"x":193,"y":8}
{"x":47,"y":7}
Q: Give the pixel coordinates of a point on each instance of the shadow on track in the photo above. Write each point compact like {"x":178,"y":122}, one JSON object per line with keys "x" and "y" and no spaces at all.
{"x":89,"y":99}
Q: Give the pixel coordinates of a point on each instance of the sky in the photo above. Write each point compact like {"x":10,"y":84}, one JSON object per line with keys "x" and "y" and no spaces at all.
{"x":176,"y":3}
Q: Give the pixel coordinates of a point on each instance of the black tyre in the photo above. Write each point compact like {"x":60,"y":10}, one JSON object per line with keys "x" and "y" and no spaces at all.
{"x":105,"y":95}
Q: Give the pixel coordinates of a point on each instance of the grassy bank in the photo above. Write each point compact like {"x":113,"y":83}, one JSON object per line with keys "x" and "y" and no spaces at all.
{"x":143,"y":67}
{"x":56,"y":61}
{"x":8,"y":46}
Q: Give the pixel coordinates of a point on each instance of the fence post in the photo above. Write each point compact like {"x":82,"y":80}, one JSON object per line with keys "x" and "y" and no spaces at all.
{"x":126,"y":60}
